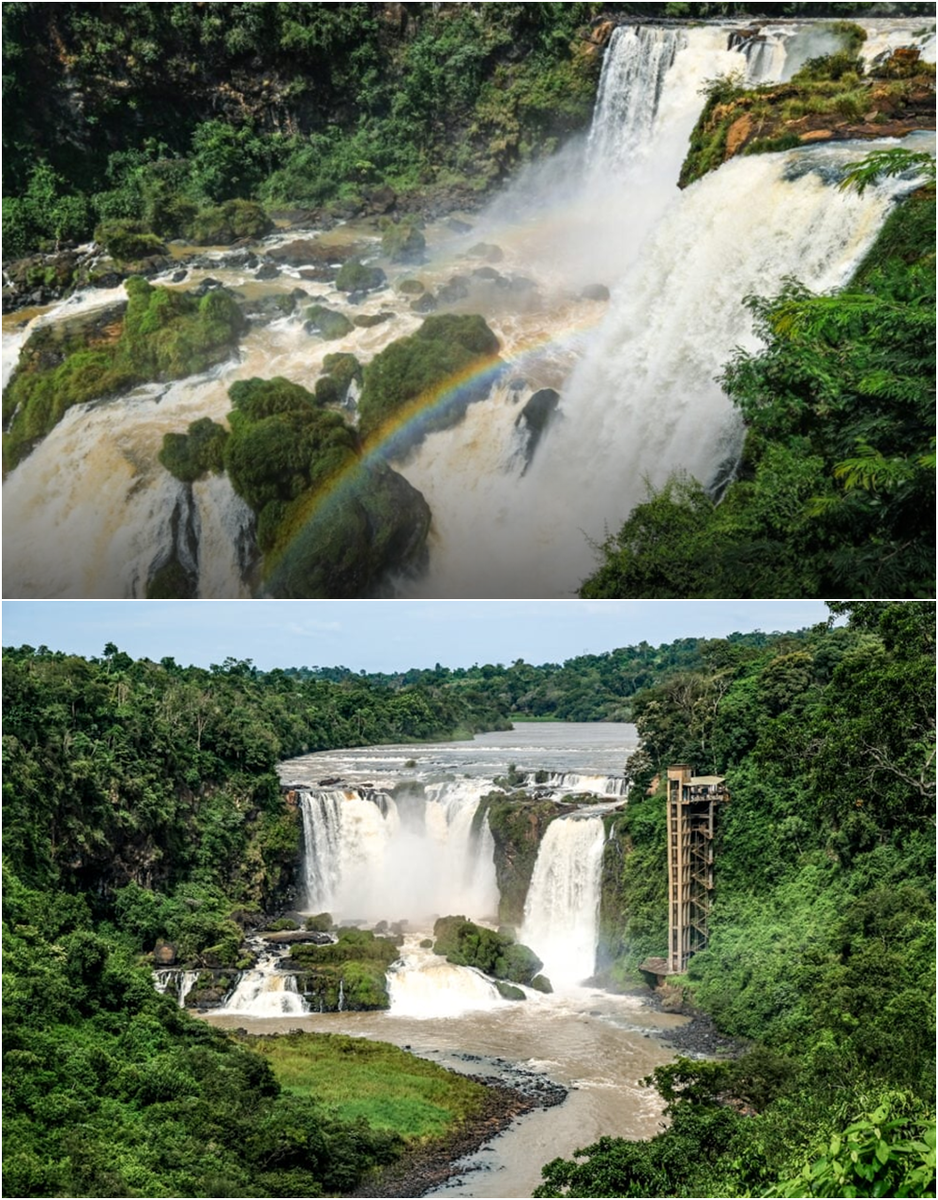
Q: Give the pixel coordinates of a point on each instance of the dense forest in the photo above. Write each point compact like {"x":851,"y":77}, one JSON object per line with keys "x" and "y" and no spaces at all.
{"x":835,"y":490}
{"x":588,"y":687}
{"x":151,"y":113}
{"x":821,"y":955}
{"x":140,"y":803}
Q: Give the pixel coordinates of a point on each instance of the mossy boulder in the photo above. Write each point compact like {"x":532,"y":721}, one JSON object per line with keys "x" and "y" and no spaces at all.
{"x":172,"y":581}
{"x":349,"y":973}
{"x":375,"y":523}
{"x":340,"y":372}
{"x":411,"y":287}
{"x":161,"y":334}
{"x":497,"y":954}
{"x":192,"y":455}
{"x":403,"y":243}
{"x":282,"y":444}
{"x":508,"y":991}
{"x":486,"y":251}
{"x":356,"y":277}
{"x":432,"y":375}
{"x":327,"y":323}
{"x":128,"y":241}
{"x":225,"y":223}
{"x":369,"y":320}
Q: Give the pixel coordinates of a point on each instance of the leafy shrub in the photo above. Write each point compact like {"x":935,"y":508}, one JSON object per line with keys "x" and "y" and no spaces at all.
{"x":189,"y":456}
{"x":829,"y":67}
{"x":497,"y":954}
{"x":423,"y":365}
{"x":229,"y":222}
{"x":888,"y":1152}
{"x":127,"y":240}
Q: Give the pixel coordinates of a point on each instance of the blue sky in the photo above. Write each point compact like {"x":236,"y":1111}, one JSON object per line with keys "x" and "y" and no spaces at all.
{"x":384,"y":635}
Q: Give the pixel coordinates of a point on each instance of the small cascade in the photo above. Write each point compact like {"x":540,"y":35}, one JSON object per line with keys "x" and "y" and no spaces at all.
{"x":424,"y":985}
{"x":573,"y":783}
{"x":765,"y":52}
{"x":561,"y":911}
{"x":186,"y":984}
{"x":175,"y":982}
{"x":265,"y":993}
{"x":636,"y":63}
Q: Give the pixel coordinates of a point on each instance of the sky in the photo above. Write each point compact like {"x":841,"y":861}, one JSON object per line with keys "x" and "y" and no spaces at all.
{"x":384,"y":635}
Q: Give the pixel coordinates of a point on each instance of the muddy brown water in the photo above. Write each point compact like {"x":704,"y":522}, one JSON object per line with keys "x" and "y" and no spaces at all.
{"x":598,"y":1045}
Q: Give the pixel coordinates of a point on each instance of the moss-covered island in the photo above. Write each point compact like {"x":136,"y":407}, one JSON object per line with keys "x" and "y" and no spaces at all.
{"x":159,"y":334}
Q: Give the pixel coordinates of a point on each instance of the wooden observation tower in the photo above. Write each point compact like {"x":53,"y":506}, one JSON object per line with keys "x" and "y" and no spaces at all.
{"x":691,"y":810}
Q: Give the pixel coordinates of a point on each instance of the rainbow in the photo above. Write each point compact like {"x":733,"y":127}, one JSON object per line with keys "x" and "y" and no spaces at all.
{"x":401,"y":431}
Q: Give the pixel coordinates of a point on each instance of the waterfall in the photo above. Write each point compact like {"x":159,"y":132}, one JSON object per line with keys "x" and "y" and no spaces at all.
{"x":643,"y":401}
{"x":370,"y":856}
{"x":90,"y":512}
{"x":170,"y":979}
{"x":636,"y":63}
{"x":574,"y":782}
{"x":265,"y":993}
{"x":561,"y":911}
{"x":424,"y":985}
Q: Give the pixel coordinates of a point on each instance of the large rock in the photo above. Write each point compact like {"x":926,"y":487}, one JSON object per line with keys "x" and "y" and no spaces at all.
{"x":374,"y":524}
{"x":534,"y":419}
{"x":165,"y":954}
{"x":403,"y":243}
{"x":303,"y":252}
{"x":327,"y":323}
{"x":486,"y":251}
{"x":355,"y":276}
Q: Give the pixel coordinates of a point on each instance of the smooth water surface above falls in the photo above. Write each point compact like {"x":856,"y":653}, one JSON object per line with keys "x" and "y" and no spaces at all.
{"x":91,"y":511}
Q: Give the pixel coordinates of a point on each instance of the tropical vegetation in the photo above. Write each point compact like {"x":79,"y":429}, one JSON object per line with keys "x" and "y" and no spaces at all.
{"x":835,"y":491}
{"x":821,"y":951}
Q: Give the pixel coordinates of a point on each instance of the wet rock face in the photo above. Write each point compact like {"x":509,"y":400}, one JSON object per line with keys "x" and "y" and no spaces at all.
{"x":377,"y":525}
{"x":534,"y":419}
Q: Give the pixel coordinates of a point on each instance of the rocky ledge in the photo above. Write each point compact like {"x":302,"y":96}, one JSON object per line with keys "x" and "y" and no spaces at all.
{"x":895,"y":98}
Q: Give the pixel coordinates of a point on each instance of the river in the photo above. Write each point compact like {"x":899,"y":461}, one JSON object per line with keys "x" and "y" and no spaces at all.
{"x":596,"y":1044}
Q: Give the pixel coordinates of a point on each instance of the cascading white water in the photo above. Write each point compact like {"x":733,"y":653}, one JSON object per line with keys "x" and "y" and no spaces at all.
{"x":572,"y":782}
{"x":561,"y":911}
{"x":91,"y":513}
{"x":643,"y":401}
{"x":347,"y":836}
{"x":184,"y":980}
{"x":634,"y":70}
{"x":265,"y":993}
{"x":371,"y":857}
{"x":425,"y":985}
